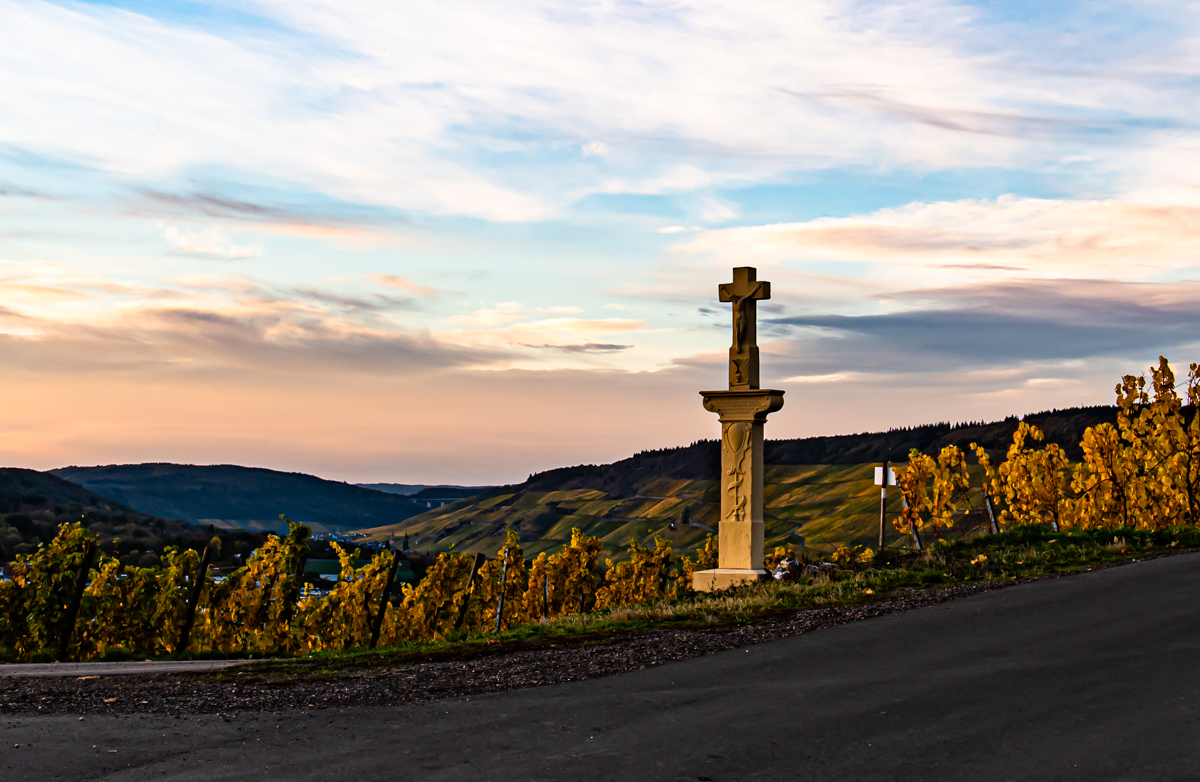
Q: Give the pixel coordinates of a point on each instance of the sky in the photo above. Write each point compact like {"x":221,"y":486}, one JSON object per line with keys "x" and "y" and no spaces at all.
{"x":461,"y":242}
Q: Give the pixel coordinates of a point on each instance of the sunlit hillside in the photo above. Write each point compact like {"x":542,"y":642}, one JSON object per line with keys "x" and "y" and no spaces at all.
{"x":819,"y":492}
{"x":819,"y":506}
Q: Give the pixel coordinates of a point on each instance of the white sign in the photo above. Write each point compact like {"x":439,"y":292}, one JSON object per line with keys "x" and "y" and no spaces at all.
{"x":879,"y":476}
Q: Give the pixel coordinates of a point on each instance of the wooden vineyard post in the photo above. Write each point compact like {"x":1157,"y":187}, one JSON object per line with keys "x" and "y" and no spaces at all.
{"x":73,"y":608}
{"x":383,"y":601}
{"x":189,"y":616}
{"x":290,"y":606}
{"x":545,"y":595}
{"x":462,"y":612}
{"x":503,"y":584}
{"x":991,"y":510}
{"x":912,"y":528}
{"x":264,"y":609}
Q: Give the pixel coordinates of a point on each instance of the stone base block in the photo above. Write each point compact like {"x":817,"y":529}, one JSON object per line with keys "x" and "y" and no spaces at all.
{"x":724,"y":578}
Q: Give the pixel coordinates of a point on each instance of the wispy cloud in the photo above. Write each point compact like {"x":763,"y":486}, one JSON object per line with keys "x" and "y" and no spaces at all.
{"x":208,"y":242}
{"x":1016,"y":125}
{"x":216,"y":206}
{"x":185,"y":340}
{"x":996,"y":325}
{"x":378,"y":105}
{"x":586,"y":347}
{"x":1031,"y":237}
{"x":350,"y":303}
{"x":402,"y":283}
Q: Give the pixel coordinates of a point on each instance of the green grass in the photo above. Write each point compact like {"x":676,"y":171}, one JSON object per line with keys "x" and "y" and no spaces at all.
{"x":1022,"y":553}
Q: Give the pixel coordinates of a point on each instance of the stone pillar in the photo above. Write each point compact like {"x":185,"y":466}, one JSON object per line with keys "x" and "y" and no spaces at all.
{"x":742,"y":414}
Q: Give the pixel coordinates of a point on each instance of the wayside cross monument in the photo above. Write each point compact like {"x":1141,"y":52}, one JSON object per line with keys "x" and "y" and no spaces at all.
{"x":743,"y":410}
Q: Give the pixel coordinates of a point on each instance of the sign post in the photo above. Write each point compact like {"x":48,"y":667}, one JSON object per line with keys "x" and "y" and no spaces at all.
{"x":884,"y":477}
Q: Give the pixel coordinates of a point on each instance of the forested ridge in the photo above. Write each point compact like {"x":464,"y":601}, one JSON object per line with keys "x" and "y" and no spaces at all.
{"x":701,"y":460}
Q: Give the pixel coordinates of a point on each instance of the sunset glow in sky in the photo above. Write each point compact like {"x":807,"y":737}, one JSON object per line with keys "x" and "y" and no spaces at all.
{"x":462,"y":241}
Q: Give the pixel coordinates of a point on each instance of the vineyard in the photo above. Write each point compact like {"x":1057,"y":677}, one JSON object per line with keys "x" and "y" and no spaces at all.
{"x":70,"y":601}
{"x":1143,"y":473}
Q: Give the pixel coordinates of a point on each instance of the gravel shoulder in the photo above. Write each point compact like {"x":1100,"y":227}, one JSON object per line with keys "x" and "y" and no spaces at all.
{"x":130,"y":690}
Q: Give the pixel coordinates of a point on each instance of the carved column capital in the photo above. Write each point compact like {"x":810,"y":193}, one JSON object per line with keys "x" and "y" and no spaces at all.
{"x":752,"y":405}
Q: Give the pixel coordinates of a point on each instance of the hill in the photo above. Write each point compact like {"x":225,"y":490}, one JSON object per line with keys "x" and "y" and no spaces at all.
{"x":24,"y":490}
{"x":243,"y":497}
{"x":33,"y":504}
{"x":819,"y":491}
{"x":701,"y":460}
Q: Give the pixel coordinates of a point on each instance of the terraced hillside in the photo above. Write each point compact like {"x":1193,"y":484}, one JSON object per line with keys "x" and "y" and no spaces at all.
{"x":819,"y":491}
{"x":820,"y":506}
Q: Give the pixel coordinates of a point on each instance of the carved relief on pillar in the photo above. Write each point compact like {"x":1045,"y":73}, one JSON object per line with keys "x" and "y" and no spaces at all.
{"x":737,"y":441}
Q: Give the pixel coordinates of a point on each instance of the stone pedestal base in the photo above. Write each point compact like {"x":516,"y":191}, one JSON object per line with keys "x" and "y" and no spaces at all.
{"x":740,"y":545}
{"x":724,"y":578}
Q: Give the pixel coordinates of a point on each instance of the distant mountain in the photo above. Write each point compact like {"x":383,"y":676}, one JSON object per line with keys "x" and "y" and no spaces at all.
{"x":247,"y":497}
{"x":410,"y":489}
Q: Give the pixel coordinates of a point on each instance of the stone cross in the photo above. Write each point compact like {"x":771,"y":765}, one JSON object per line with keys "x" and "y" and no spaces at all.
{"x":744,"y":293}
{"x":743,"y":410}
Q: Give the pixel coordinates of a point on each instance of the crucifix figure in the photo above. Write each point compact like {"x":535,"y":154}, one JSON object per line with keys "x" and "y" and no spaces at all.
{"x":743,"y":293}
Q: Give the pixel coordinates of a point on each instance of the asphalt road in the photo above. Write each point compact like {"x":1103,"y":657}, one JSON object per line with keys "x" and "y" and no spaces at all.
{"x":1092,"y":677}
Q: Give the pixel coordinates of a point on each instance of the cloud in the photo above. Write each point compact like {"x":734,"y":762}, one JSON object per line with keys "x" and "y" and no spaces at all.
{"x":59,"y":319}
{"x":14,"y":191}
{"x":359,"y":232}
{"x":991,"y":123}
{"x":1108,"y":239}
{"x":832,"y":377}
{"x":994,"y":326}
{"x":178,"y":342}
{"x":35,"y":294}
{"x":346,"y":303}
{"x":208,"y":242}
{"x":601,"y":325}
{"x":403,"y":283}
{"x":586,"y":347}
{"x":216,"y":206}
{"x":507,"y":328}
{"x":497,"y":315}
{"x":716,"y":211}
{"x":372,"y":104}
